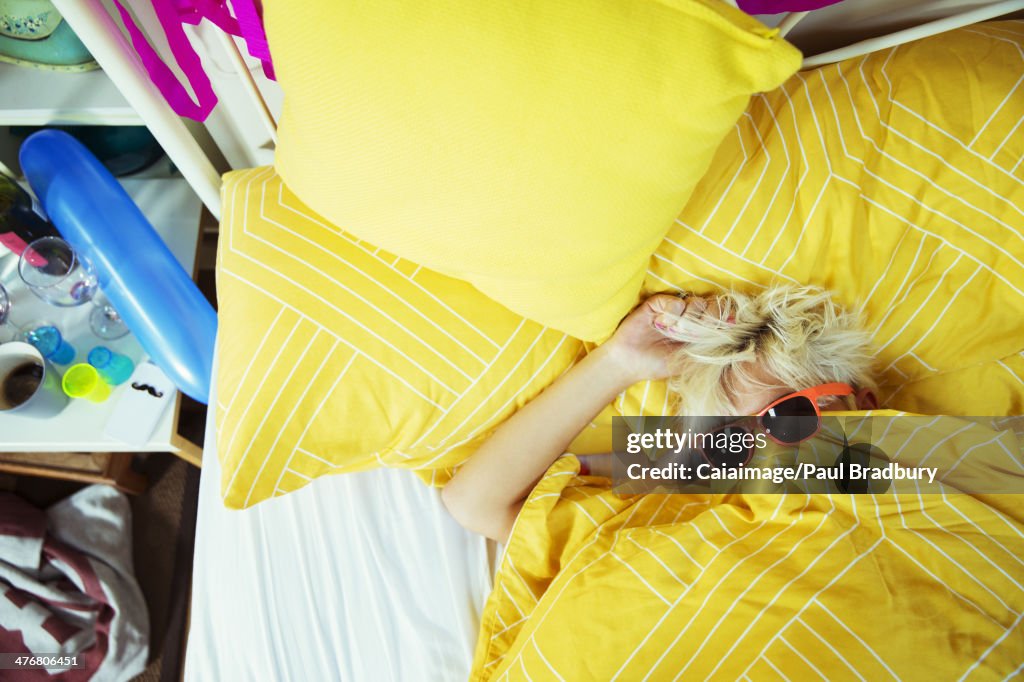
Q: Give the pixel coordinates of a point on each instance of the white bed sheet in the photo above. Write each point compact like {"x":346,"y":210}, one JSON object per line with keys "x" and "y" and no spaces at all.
{"x":355,"y":577}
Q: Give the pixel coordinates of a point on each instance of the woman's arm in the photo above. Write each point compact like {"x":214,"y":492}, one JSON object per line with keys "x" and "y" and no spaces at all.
{"x":486,"y":493}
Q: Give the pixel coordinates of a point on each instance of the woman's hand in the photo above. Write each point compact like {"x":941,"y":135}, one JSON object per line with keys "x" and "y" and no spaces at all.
{"x":638,"y":347}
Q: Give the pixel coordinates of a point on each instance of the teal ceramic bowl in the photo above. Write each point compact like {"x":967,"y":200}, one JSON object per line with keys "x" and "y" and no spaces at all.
{"x":33,"y":33}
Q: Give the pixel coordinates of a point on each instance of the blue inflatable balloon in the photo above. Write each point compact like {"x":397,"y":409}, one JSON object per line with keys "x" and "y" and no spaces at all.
{"x":154,"y":295}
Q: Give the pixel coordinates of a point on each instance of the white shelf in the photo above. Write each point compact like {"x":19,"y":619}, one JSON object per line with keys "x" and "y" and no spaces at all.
{"x":40,"y":97}
{"x":173,"y":209}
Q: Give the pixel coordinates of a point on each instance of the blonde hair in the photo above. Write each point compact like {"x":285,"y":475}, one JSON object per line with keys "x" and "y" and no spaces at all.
{"x":796,"y":334}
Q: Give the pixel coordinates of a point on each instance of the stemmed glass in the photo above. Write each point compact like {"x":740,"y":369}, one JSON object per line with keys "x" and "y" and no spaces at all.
{"x":104,"y":320}
{"x":6,"y":332}
{"x":61,"y":276}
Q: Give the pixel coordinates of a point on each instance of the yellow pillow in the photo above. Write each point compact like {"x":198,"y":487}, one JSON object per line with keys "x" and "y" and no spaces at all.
{"x":334,"y":356}
{"x":537,"y":150}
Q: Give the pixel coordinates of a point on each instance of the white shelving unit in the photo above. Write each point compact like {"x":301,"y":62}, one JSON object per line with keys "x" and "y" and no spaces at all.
{"x":97,"y":29}
{"x":174,"y":210}
{"x":40,"y":97}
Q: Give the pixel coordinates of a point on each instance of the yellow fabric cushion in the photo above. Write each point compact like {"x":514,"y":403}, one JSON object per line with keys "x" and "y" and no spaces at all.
{"x":334,"y":356}
{"x":596,"y":586}
{"x":537,"y":150}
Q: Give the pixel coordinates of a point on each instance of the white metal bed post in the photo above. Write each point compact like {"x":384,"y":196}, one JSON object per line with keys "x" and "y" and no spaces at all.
{"x":973,"y":16}
{"x":251,"y":89}
{"x":790,"y":21}
{"x":101,"y":34}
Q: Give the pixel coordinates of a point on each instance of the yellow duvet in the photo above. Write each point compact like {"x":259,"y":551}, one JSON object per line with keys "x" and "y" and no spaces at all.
{"x":594,"y":586}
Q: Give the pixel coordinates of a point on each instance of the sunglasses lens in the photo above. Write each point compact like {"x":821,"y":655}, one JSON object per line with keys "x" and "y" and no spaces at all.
{"x":726,"y":448}
{"x":791,"y":421}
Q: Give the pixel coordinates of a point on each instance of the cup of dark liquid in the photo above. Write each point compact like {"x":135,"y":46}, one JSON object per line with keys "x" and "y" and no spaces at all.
{"x":29,"y":385}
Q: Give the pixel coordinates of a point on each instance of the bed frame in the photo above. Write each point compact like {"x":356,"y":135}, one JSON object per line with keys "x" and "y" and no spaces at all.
{"x":106,"y":41}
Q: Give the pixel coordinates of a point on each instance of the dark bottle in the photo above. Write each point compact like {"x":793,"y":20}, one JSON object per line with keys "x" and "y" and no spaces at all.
{"x":19,"y":224}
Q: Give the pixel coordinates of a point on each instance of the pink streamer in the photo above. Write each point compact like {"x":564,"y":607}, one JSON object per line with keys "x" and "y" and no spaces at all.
{"x":779,"y":6}
{"x":172,"y":14}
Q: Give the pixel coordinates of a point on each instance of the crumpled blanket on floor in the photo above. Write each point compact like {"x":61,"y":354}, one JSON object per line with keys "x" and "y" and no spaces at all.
{"x":67,"y":585}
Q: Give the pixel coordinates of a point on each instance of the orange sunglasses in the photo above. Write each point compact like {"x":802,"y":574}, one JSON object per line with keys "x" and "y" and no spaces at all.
{"x":786,"y":421}
{"x":790,"y":420}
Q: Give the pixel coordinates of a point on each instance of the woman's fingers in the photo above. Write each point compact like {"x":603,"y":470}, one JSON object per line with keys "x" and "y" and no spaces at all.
{"x":667,"y":303}
{"x":666,"y":309}
{"x":690,"y":320}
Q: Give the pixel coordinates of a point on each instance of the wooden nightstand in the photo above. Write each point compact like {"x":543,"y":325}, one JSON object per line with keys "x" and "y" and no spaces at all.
{"x":113,"y":468}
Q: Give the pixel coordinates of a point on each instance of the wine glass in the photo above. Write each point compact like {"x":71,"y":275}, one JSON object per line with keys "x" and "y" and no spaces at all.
{"x":104,"y":320}
{"x":7,"y":331}
{"x":56,"y":273}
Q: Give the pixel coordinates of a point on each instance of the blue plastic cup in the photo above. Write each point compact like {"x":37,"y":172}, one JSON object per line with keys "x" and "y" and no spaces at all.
{"x":113,"y":367}
{"x":48,"y":340}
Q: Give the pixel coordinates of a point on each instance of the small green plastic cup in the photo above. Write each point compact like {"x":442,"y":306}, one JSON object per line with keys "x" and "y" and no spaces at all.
{"x":84,"y":381}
